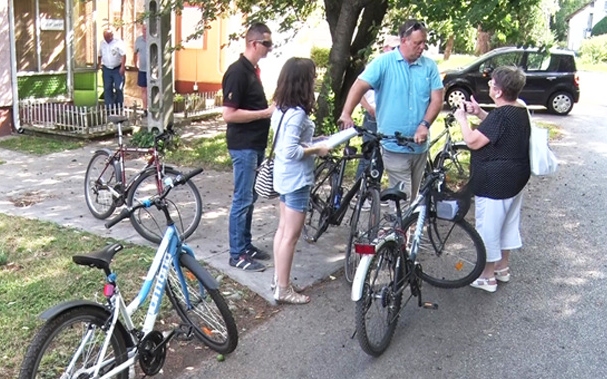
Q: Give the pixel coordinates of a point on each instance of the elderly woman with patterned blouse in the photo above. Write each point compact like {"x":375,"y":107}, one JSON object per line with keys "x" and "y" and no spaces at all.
{"x":500,"y":170}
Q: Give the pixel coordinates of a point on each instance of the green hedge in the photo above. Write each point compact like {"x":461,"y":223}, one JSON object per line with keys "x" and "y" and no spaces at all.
{"x":594,"y":50}
{"x":320,"y":56}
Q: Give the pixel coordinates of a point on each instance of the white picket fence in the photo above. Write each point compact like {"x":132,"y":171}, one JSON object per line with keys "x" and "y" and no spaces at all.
{"x":65,"y":117}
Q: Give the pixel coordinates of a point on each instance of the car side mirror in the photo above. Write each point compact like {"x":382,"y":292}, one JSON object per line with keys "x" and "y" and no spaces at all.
{"x":487,"y":71}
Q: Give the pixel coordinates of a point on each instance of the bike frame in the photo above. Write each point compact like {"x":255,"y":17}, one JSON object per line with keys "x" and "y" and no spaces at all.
{"x":167,"y":253}
{"x":119,"y":155}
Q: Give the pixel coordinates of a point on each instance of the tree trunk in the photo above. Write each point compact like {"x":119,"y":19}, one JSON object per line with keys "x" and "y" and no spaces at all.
{"x":346,"y":61}
{"x":482,"y":41}
{"x":449,"y":47}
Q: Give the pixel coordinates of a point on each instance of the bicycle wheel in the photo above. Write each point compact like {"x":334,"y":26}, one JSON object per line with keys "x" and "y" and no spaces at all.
{"x":208,"y":313}
{"x":71,"y":343}
{"x":451,"y":253}
{"x":325,"y":187}
{"x":185,"y":206}
{"x":378,"y":310}
{"x":100,"y":176}
{"x":364,"y":222}
{"x":457,"y":168}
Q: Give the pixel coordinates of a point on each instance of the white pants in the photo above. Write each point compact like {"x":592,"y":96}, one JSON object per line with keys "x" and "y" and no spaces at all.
{"x":498,"y":224}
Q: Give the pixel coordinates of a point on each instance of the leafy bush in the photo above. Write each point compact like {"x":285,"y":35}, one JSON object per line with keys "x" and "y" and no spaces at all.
{"x":320,"y":56}
{"x":600,"y":28}
{"x":594,"y":50}
{"x":142,"y":138}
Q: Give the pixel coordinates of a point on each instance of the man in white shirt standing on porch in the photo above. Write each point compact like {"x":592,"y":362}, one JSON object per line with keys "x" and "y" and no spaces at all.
{"x":112,"y":60}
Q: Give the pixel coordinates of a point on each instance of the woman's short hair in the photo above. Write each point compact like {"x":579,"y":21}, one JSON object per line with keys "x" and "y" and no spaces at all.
{"x":295,"y":86}
{"x":510,"y":79}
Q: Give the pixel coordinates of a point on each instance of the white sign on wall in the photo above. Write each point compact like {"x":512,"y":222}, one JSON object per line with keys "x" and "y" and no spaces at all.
{"x":52,"y":24}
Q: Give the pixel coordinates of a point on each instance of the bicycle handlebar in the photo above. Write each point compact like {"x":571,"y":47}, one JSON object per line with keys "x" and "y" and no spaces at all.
{"x":400,"y":139}
{"x":154,"y":200}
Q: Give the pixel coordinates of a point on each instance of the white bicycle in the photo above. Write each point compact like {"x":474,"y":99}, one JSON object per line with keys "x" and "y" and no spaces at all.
{"x":84,"y":339}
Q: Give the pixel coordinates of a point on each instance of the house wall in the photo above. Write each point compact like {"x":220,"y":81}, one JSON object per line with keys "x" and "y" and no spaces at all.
{"x":203,"y":61}
{"x":579,"y":28}
{"x":6,"y":92}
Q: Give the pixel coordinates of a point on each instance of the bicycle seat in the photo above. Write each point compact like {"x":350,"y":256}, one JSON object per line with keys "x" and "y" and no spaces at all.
{"x":114,"y":119}
{"x":100,"y":259}
{"x":392,"y":194}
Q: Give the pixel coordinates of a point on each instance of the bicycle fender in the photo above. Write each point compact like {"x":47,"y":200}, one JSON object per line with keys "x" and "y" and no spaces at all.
{"x":61,"y":308}
{"x":359,"y":278}
{"x":207,"y":279}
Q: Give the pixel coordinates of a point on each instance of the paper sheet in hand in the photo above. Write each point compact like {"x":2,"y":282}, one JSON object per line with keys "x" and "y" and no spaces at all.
{"x":338,"y":138}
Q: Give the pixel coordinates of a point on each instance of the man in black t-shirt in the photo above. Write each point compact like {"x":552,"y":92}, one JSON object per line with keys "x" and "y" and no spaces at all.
{"x":246,"y":111}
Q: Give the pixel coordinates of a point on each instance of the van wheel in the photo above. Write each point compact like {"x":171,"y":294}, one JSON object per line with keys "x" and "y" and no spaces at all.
{"x":456,"y":95}
{"x":560,"y":103}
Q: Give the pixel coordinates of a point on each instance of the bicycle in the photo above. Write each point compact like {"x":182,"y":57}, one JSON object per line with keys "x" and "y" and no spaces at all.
{"x":453,"y":157}
{"x":368,"y":193}
{"x":106,"y":186}
{"x":391,"y":257}
{"x":85,"y":339}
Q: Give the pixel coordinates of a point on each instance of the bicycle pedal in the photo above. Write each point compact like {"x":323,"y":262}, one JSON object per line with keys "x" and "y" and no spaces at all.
{"x":429,"y":305}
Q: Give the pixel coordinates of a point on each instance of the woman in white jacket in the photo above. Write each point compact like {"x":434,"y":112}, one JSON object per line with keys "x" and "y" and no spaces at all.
{"x":293,"y":167}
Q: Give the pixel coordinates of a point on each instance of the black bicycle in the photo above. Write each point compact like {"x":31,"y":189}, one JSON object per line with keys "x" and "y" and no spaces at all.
{"x":453,"y":158}
{"x":431,"y":233}
{"x":329,"y":204}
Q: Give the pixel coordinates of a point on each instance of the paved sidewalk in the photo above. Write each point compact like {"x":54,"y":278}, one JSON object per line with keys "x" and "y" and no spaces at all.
{"x":51,"y":188}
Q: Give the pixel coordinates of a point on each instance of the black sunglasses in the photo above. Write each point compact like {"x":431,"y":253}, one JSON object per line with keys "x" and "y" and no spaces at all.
{"x":416,"y":26}
{"x":267,"y":44}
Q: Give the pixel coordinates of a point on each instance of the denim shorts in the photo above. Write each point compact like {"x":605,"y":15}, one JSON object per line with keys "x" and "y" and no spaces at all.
{"x":297,"y":200}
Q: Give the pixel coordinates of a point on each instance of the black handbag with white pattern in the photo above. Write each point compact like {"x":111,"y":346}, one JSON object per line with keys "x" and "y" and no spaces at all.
{"x":264,"y":181}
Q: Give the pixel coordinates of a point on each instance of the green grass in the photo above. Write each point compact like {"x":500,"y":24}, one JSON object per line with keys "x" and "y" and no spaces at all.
{"x":594,"y":67}
{"x":39,"y":145}
{"x":210,"y":153}
{"x":36,"y":272}
{"x":454,"y":61}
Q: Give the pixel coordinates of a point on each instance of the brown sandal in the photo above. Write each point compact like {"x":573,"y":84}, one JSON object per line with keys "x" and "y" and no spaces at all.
{"x":289,"y":296}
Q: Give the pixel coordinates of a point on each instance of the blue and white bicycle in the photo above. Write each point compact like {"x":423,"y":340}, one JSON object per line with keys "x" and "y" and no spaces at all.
{"x":84,"y":339}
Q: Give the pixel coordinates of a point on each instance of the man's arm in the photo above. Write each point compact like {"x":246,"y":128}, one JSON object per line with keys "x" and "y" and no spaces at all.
{"x":356,"y":93}
{"x":123,"y":65}
{"x":135,"y":60}
{"x":241,"y":116}
{"x":434,"y":108}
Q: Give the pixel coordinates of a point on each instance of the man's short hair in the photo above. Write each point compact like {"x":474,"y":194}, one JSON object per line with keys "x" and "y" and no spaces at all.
{"x":410,"y":26}
{"x":257,"y":30}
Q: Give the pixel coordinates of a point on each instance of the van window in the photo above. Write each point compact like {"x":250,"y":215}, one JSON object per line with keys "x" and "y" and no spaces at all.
{"x":538,"y":61}
{"x":506,"y":59}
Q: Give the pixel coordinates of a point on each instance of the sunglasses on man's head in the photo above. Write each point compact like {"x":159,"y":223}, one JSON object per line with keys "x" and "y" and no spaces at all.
{"x":416,"y":26}
{"x":267,"y":44}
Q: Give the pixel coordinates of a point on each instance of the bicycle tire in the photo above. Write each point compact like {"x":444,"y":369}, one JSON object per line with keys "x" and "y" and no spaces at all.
{"x":319,"y":208}
{"x":50,"y":339}
{"x":361,"y":226}
{"x":185,"y":206}
{"x":211,"y":318}
{"x":100,"y":201}
{"x":457,"y":168}
{"x":380,"y":294}
{"x":452,"y":253}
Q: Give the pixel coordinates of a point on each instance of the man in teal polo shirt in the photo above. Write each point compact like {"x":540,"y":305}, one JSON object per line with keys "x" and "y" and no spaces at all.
{"x":408,"y":96}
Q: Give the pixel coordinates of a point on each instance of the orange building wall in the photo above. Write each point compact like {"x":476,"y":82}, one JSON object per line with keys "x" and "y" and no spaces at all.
{"x":202,"y":65}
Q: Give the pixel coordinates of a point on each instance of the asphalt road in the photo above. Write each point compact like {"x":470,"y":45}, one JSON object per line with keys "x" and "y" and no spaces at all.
{"x":548,"y":322}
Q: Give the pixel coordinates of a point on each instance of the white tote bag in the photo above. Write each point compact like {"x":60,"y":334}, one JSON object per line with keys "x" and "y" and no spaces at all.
{"x":542,"y":159}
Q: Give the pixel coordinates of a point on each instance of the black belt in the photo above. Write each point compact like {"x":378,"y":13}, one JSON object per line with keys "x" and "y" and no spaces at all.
{"x":117,"y":67}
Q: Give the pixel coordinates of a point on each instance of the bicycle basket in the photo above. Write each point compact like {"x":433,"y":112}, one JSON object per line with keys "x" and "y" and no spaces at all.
{"x":449,"y":205}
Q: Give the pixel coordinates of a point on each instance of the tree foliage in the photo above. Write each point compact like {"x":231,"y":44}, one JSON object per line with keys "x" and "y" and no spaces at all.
{"x":558,"y":22}
{"x":355,"y":24}
{"x":600,"y":28}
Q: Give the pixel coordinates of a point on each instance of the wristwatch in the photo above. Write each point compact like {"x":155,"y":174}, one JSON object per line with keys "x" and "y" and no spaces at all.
{"x":425,"y":123}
